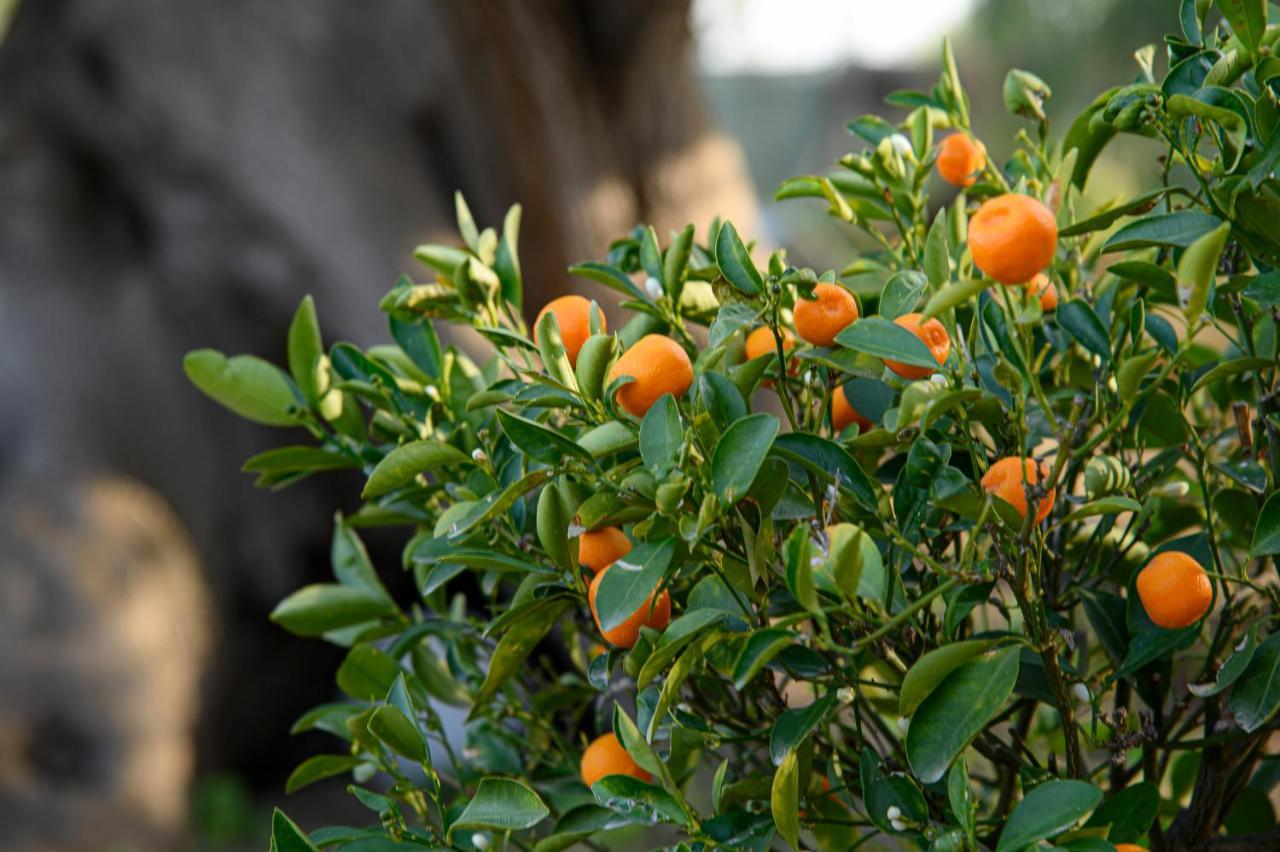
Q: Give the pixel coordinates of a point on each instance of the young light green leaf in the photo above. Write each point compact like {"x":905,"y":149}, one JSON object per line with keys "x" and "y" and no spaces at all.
{"x":784,"y":799}
{"x":758,"y":651}
{"x":305,"y":349}
{"x":931,"y":669}
{"x":253,"y":388}
{"x":1197,"y":269}
{"x":551,"y":348}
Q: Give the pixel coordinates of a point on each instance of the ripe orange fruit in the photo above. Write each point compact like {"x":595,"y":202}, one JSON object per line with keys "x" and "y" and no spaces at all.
{"x":960,"y":158}
{"x":573,"y":314}
{"x":935,"y":338}
{"x":1174,"y":590}
{"x":761,"y":342}
{"x":820,"y":320}
{"x":659,"y":366}
{"x":599,"y":548}
{"x":1129,"y":847}
{"x":842,"y":413}
{"x":1007,"y":480}
{"x":605,"y":756}
{"x":1043,"y":287}
{"x":650,"y":614}
{"x":1012,"y":237}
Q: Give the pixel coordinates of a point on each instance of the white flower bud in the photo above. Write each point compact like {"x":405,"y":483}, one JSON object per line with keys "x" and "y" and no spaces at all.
{"x":478,"y":456}
{"x":653,"y":287}
{"x":897,"y":825}
{"x":894,"y":812}
{"x":902,"y":145}
{"x":903,"y":723}
{"x":479,"y":841}
{"x":1081,"y":692}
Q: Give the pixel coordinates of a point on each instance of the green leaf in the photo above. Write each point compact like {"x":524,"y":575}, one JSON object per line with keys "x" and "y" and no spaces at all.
{"x":554,"y":516}
{"x":1179,"y":229}
{"x":286,"y":836}
{"x":739,"y":453}
{"x":829,"y":460}
{"x":794,"y":725}
{"x":501,"y":804}
{"x":937,"y":254}
{"x":631,"y":580}
{"x":1234,"y":367}
{"x":551,"y":349}
{"x":305,"y":349}
{"x":1080,"y":321}
{"x":607,"y":439}
{"x":883,"y":339}
{"x":506,"y":264}
{"x":1133,"y":371}
{"x":679,"y":633}
{"x":466,"y":223}
{"x":407,"y":461}
{"x":734,"y":261}
{"x":350,"y":560}
{"x":319,"y":608}
{"x":960,"y":796}
{"x":1047,"y":811}
{"x":931,"y":669}
{"x":1231,"y":670}
{"x":642,"y":802}
{"x":367,"y":673}
{"x":901,"y":292}
{"x":1130,"y":812}
{"x":957,"y":709}
{"x":400,"y":733}
{"x":952,"y":296}
{"x":538,"y":442}
{"x":1248,"y":19}
{"x":284,"y":460}
{"x":661,"y":436}
{"x":634,"y":743}
{"x":758,"y":651}
{"x":516,"y":644}
{"x":253,"y":388}
{"x":680,"y":671}
{"x":784,"y":799}
{"x":1256,"y":696}
{"x":317,"y":768}
{"x":1266,"y":535}
{"x":1108,"y":217}
{"x":610,"y":277}
{"x":1113,"y":505}
{"x":1196,"y":270}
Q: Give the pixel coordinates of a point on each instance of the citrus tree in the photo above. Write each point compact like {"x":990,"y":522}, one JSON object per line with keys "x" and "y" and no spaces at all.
{"x":971,"y":545}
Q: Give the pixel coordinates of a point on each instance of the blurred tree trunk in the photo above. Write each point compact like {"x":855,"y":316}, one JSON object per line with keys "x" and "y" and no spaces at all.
{"x":178,"y":175}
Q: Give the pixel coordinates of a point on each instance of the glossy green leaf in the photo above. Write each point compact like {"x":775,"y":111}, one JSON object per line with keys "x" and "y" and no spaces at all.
{"x":952,"y":296}
{"x":516,"y":644}
{"x":901,"y":292}
{"x":1129,"y":812}
{"x":931,"y":669}
{"x":1179,"y":229}
{"x":735,"y":261}
{"x":253,"y":388}
{"x":607,"y":439}
{"x":1248,"y":19}
{"x":1048,"y":810}
{"x":399,"y":733}
{"x":367,"y":673}
{"x":880,"y":337}
{"x":1106,"y":218}
{"x":829,"y":460}
{"x":645,"y":803}
{"x":631,"y":580}
{"x":679,"y":633}
{"x":551,"y":348}
{"x":794,"y":725}
{"x":758,"y":651}
{"x":1082,"y":323}
{"x":739,"y":453}
{"x":317,"y":768}
{"x":937,"y":254}
{"x":539,"y":442}
{"x":501,"y":804}
{"x":407,"y":461}
{"x":661,"y":436}
{"x":1266,"y":534}
{"x":1256,"y":695}
{"x":283,"y":460}
{"x":957,"y":709}
{"x":319,"y":608}
{"x":286,"y":836}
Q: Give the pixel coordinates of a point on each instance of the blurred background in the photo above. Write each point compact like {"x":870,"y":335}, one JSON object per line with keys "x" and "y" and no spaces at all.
{"x":178,"y":175}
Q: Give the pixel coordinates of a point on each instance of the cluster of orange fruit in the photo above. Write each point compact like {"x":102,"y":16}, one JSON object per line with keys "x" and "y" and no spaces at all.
{"x":1012,"y":238}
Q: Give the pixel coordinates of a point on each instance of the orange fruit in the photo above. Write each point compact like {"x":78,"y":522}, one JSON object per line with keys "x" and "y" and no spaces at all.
{"x":820,"y":320}
{"x":842,"y":413}
{"x":605,"y":756}
{"x":1174,"y":590}
{"x":1129,"y":847}
{"x":573,"y":314}
{"x":1043,"y":287}
{"x":935,"y":338}
{"x":761,"y":342}
{"x":650,"y":614}
{"x":659,"y":365}
{"x":1012,"y":237}
{"x":1007,"y":479}
{"x":599,"y":548}
{"x":960,"y":158}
